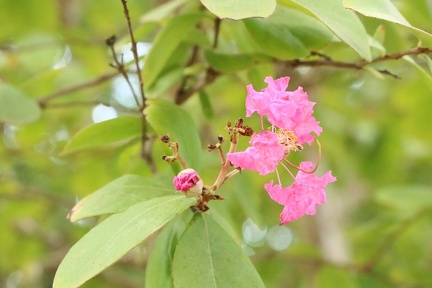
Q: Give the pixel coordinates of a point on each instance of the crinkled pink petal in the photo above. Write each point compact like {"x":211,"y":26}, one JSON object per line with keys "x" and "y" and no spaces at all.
{"x":302,"y":196}
{"x":263,"y":102}
{"x":263,"y":155}
{"x":256,"y":102}
{"x":277,"y":85}
{"x":302,"y":123}
{"x":185,"y":181}
{"x":290,"y":110}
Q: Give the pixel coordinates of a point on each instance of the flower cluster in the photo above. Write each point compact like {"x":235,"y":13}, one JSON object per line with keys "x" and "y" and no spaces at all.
{"x":290,"y":116}
{"x":292,"y":124}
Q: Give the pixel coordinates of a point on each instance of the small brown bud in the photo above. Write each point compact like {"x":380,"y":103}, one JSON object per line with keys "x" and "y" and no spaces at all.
{"x":248,"y":131}
{"x":239,"y":123}
{"x":211,"y":147}
{"x":111,"y":40}
{"x":164,"y":138}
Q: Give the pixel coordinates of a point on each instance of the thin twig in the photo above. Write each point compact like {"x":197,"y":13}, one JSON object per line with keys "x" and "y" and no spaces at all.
{"x":182,"y":95}
{"x":67,"y":105}
{"x":135,"y":54}
{"x":99,"y":80}
{"x":210,"y":74}
{"x":216,"y":32}
{"x":145,"y":140}
{"x":328,"y":62}
{"x":119,"y":65}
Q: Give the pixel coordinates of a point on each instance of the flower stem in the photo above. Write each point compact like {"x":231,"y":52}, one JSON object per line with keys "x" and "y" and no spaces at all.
{"x":316,"y":166}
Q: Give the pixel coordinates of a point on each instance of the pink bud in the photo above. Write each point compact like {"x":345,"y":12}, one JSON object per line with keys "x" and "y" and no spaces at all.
{"x":189,"y":182}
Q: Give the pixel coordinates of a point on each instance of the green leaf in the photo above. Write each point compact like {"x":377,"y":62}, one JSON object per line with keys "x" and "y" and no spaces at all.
{"x":344,"y":23}
{"x":329,"y":277}
{"x":228,"y":62}
{"x":114,"y":237}
{"x":168,"y":118}
{"x":382,"y":9}
{"x":428,"y":62}
{"x":240,"y":9}
{"x":162,"y":11}
{"x":377,"y":42}
{"x":206,"y":105}
{"x":289,"y":39}
{"x":104,"y":133}
{"x":166,"y":42}
{"x":118,"y":195}
{"x":15,"y":107}
{"x":159,"y":264}
{"x":207,"y":256}
{"x":408,"y":197}
{"x":427,"y":77}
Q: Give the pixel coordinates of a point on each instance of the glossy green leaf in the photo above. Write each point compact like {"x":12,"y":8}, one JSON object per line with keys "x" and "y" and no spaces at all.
{"x":15,"y":107}
{"x":382,"y":9}
{"x":168,"y":118}
{"x":240,"y":9}
{"x":104,"y":133}
{"x":207,"y":256}
{"x":115,"y":236}
{"x":159,"y":264}
{"x":407,"y":197}
{"x":166,"y":43}
{"x":289,"y":39}
{"x":344,"y":23}
{"x":119,"y":195}
{"x":228,"y":62}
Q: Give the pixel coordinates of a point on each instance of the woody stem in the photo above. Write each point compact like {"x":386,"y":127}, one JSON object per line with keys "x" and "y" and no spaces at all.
{"x":226,"y":163}
{"x":175,"y":147}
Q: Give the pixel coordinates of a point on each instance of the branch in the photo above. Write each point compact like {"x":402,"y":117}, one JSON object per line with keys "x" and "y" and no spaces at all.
{"x":103,"y":78}
{"x":89,"y":103}
{"x":210,"y":75}
{"x":327,"y":61}
{"x":119,"y":65}
{"x":135,"y":54}
{"x":146,"y":142}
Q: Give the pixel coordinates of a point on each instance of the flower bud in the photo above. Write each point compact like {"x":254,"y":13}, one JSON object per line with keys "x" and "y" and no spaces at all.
{"x":189,"y":182}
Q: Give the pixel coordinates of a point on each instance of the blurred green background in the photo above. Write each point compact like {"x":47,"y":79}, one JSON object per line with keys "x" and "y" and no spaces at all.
{"x":375,"y":229}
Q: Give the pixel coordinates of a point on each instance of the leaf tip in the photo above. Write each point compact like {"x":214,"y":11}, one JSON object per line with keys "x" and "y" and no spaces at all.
{"x":72,"y":215}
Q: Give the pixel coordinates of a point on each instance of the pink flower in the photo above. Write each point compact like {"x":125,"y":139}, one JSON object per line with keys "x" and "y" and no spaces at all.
{"x":263,"y":155}
{"x":290,"y":110}
{"x":302,"y":196}
{"x":188,"y":181}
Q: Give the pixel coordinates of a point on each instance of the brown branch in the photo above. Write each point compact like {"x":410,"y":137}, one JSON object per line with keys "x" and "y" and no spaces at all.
{"x":328,"y":62}
{"x":182,"y":95}
{"x":145,"y":140}
{"x":119,"y":65}
{"x":66,"y":105}
{"x":101,"y":79}
{"x":210,"y":75}
{"x":216,"y":32}
{"x":398,"y":55}
{"x":135,"y":54}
